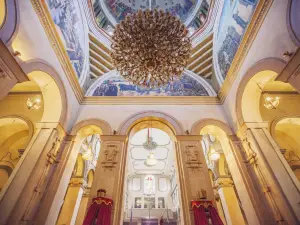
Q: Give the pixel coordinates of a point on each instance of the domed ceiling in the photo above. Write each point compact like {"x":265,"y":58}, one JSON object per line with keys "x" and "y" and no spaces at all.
{"x":108,"y":13}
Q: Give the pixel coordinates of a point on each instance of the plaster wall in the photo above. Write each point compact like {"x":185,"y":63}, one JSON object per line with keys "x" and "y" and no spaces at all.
{"x":272,"y":40}
{"x":32,"y":42}
{"x":115,"y":115}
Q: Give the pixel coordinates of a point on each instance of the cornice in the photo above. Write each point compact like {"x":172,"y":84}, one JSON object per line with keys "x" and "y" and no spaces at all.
{"x":147,"y":100}
{"x":258,"y":17}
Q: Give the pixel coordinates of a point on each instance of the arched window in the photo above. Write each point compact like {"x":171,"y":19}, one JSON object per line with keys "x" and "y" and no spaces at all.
{"x":149,"y":185}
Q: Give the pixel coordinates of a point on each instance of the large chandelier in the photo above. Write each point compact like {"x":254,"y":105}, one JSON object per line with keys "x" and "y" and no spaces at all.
{"x":150,"y":48}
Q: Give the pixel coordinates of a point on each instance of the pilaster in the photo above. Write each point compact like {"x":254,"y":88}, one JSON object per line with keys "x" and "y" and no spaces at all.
{"x":230,"y":203}
{"x":83,"y":206}
{"x":193,"y":174}
{"x":276,"y":180}
{"x":30,"y":180}
{"x":72,"y":201}
{"x":110,"y":172}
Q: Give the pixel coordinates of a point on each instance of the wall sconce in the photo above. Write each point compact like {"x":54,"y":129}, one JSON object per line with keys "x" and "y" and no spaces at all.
{"x":34,"y":103}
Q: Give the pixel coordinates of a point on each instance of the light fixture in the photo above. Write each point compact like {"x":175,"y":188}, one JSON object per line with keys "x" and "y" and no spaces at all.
{"x":271,"y":102}
{"x":34,"y":103}
{"x":150,"y":48}
{"x":149,"y":144}
{"x":88,"y":154}
{"x":213,"y":154}
{"x":151,"y":160}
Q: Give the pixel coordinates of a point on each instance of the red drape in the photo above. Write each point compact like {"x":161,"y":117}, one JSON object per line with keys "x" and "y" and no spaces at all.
{"x":99,"y":213}
{"x":215,"y":218}
{"x":200,"y":216}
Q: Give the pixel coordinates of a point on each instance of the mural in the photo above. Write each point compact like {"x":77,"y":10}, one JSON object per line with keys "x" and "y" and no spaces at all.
{"x":66,"y":16}
{"x":201,"y":16}
{"x":234,"y":20}
{"x":115,"y":85}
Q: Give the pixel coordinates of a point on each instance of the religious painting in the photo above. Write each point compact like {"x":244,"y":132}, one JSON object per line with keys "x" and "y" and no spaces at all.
{"x":149,"y":185}
{"x":233,"y":23}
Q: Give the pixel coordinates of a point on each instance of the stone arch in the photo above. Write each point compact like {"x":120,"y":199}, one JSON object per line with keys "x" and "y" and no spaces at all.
{"x":273,"y":65}
{"x":103,"y":125}
{"x":41,"y":65}
{"x":171,"y":122}
{"x":199,"y":125}
{"x":9,"y":28}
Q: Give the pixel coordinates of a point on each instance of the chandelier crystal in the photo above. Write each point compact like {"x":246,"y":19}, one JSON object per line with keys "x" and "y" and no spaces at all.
{"x":34,"y":103}
{"x":151,"y":160}
{"x":271,"y":102}
{"x":150,"y":48}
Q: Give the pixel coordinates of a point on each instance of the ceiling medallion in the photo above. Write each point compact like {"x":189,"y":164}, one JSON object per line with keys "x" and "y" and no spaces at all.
{"x":150,"y":48}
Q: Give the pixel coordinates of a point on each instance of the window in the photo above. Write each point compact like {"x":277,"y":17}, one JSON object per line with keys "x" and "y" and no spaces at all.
{"x":138,"y":203}
{"x":161,"y":203}
{"x":149,"y":185}
{"x":149,"y":202}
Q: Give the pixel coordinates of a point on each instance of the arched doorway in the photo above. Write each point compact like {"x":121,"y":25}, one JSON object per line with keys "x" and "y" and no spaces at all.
{"x":15,"y":134}
{"x":151,"y":186}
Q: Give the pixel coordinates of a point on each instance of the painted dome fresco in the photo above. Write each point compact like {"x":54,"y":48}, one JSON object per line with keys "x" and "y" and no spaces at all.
{"x":108,"y":13}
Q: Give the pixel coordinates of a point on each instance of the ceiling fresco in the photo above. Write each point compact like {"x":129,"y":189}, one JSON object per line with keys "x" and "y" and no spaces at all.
{"x":114,"y":85}
{"x":110,"y":12}
{"x":234,"y":20}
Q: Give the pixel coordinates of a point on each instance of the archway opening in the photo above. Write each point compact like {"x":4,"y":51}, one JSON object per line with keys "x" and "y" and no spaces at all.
{"x":15,"y":134}
{"x":87,"y":146}
{"x":218,"y":155}
{"x":286,"y":134}
{"x":151,"y":186}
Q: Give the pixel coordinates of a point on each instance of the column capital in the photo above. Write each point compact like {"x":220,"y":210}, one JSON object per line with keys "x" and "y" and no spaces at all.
{"x":77,"y":182}
{"x":189,"y":137}
{"x":223,"y":181}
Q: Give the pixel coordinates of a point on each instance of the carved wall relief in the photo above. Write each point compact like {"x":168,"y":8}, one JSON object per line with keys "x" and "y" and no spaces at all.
{"x":192,"y":157}
{"x":110,"y":158}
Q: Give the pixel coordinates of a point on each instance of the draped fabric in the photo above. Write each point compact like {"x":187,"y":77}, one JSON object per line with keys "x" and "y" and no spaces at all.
{"x":215,"y":218}
{"x":200,"y":216}
{"x":99,"y":213}
{"x":200,"y":208}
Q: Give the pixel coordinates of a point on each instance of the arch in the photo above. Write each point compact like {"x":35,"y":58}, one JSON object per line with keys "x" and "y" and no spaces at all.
{"x":293,"y":19}
{"x":26,"y":120}
{"x":171,"y":122}
{"x":269,"y":64}
{"x":41,"y":65}
{"x":272,"y":125}
{"x":103,"y":125}
{"x":9,"y":28}
{"x":199,"y":125}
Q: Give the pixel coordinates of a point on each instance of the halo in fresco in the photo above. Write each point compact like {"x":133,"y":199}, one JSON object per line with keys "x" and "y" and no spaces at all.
{"x":235,"y":17}
{"x":115,"y":85}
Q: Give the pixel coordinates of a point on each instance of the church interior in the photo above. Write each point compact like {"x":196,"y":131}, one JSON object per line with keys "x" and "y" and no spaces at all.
{"x":147,"y":112}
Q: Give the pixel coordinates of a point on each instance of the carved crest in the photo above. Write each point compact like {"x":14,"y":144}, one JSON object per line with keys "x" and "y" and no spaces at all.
{"x":110,"y":153}
{"x":193,"y":157}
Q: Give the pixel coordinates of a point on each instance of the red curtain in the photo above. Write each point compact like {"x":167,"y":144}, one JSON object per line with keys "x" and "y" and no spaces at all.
{"x":215,"y":218}
{"x":99,"y":212}
{"x":199,"y":215}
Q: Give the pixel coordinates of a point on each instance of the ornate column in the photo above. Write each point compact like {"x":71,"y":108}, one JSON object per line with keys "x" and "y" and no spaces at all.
{"x":10,"y":71}
{"x":20,"y":202}
{"x":71,"y":202}
{"x":230,"y":203}
{"x":291,"y":72}
{"x":273,"y":174}
{"x":219,"y":206}
{"x":110,"y":172}
{"x":193,"y":174}
{"x":83,"y":206}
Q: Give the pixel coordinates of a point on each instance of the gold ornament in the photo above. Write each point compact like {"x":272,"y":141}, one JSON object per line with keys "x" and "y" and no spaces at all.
{"x":150,"y":48}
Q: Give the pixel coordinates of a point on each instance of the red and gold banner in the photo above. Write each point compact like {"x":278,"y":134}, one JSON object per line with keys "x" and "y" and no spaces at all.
{"x":198,"y":203}
{"x":100,"y":200}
